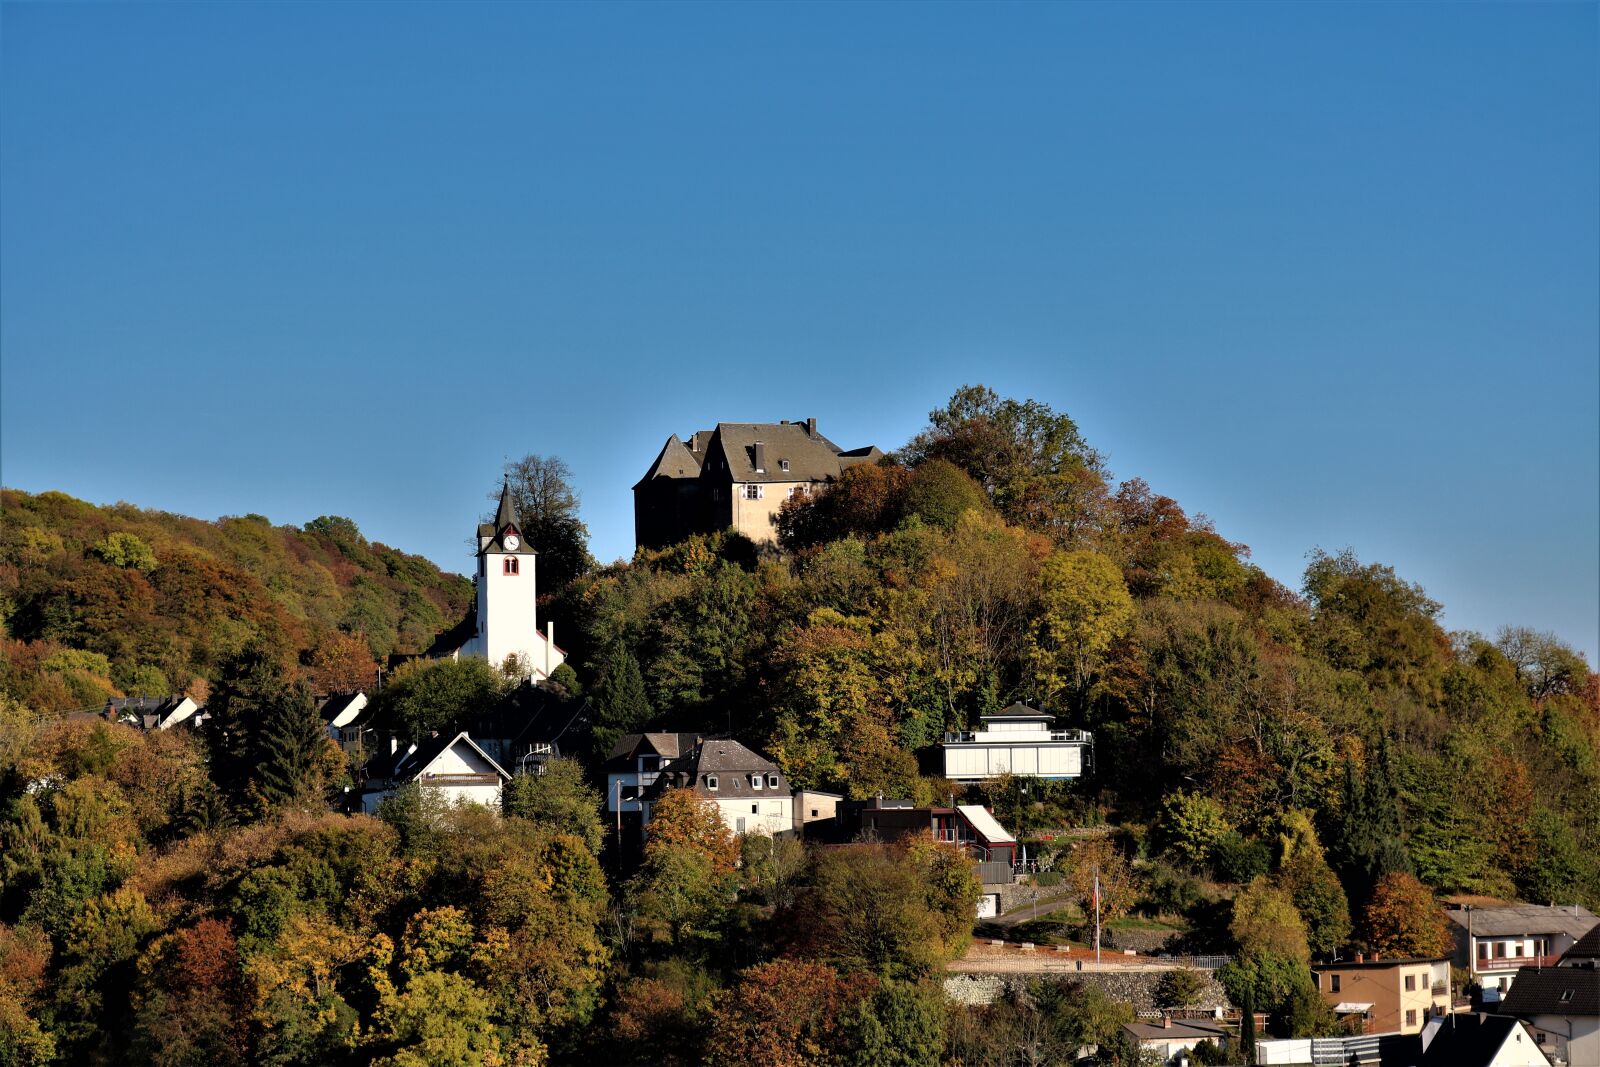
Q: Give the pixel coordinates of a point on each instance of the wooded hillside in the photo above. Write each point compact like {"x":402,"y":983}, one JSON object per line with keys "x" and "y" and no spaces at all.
{"x":101,"y":601}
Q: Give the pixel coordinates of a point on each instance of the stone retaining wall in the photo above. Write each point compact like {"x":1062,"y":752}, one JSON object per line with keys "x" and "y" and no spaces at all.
{"x":1134,"y":987}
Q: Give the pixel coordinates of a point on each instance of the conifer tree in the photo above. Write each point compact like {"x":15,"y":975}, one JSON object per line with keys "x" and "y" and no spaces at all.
{"x":621,"y":704}
{"x":289,"y":745}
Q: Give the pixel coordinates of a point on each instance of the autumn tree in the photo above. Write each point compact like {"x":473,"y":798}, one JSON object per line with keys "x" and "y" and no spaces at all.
{"x":191,"y":1002}
{"x":1266,"y":923}
{"x":865,"y":908}
{"x":1084,"y":606}
{"x":341,"y":663}
{"x":791,"y":1013}
{"x":1404,"y":919}
{"x":558,"y":799}
{"x":682,"y":818}
{"x":1097,"y":862}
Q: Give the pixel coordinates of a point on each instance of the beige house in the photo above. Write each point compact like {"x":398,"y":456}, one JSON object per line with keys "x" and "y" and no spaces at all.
{"x":1388,"y":995}
{"x":737,"y":477}
{"x":750,"y":791}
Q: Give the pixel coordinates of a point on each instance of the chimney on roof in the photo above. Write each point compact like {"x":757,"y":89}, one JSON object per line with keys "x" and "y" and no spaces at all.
{"x":811,"y":427}
{"x":694,"y":441}
{"x":761,"y":458}
{"x":1360,"y":958}
{"x":1166,"y":1021}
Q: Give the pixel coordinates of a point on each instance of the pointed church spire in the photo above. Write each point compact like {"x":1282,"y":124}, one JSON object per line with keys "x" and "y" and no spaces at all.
{"x":507,"y":515}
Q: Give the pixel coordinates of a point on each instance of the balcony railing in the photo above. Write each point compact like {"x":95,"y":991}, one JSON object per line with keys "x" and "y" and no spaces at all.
{"x":1007,"y":737}
{"x":1511,"y":963}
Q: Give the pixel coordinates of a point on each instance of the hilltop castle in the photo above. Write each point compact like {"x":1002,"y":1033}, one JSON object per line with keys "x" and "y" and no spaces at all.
{"x":736,"y":476}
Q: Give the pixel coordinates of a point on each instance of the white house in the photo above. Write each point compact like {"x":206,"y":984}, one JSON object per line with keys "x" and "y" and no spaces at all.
{"x":635,"y":763}
{"x":342,"y":715}
{"x":1495,"y":943}
{"x":1018,"y":740}
{"x":155,"y":713}
{"x":1476,"y":1040}
{"x":455,"y":767}
{"x":749,"y":790}
{"x":505,"y":619}
{"x":1560,"y":1005}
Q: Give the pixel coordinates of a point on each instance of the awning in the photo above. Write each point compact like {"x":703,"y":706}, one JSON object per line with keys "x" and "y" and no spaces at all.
{"x":1345,"y":1007}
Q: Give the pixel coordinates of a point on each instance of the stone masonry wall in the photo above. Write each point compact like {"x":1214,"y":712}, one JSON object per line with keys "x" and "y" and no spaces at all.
{"x":1135,"y":987}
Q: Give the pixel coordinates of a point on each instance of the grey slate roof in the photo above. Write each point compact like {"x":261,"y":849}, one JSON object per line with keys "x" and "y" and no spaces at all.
{"x":669,"y":746}
{"x":731,"y":762}
{"x":730,"y":448}
{"x":1553,"y":991}
{"x":1571,"y":919}
{"x":1586,"y":948}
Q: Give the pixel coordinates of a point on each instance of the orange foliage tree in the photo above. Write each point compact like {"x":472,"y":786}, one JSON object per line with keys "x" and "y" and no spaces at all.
{"x":1404,"y":918}
{"x":683,"y":818}
{"x":786,"y":1013}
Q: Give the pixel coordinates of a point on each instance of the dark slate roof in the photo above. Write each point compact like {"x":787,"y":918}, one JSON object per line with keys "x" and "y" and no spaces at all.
{"x":730,"y":449}
{"x":810,"y":455}
{"x":1570,"y":919}
{"x":1469,"y":1040}
{"x":675,"y":461}
{"x":1587,"y":947}
{"x":533,"y":715}
{"x":448,"y":641}
{"x":730,"y":761}
{"x":506,"y":514}
{"x":336,"y":703}
{"x":1553,"y":991}
{"x":407,"y":764}
{"x":1019,"y":710}
{"x":629,"y":747}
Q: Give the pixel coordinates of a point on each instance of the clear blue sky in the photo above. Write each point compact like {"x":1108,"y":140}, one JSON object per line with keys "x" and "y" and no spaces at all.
{"x":1327,"y":273}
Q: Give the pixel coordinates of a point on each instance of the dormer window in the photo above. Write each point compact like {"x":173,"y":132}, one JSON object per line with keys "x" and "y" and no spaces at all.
{"x":783,"y":464}
{"x":511,"y":565}
{"x":711,"y":782}
{"x":1566,"y":996}
{"x":755,"y":781}
{"x":772,"y":781}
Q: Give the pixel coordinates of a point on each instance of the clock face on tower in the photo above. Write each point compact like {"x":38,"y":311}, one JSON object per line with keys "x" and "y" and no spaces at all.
{"x":512,"y":541}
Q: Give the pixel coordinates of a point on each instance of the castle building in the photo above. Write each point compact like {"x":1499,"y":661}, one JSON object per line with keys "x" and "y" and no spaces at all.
{"x":737,"y":477}
{"x":504,"y":622}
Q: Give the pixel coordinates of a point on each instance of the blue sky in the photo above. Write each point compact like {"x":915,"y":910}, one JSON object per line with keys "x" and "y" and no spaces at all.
{"x":1327,"y":273}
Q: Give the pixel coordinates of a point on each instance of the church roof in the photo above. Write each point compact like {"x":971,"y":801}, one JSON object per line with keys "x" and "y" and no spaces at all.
{"x":507,"y":514}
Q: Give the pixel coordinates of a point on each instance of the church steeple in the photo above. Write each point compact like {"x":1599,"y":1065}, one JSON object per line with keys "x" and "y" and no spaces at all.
{"x":507,"y":515}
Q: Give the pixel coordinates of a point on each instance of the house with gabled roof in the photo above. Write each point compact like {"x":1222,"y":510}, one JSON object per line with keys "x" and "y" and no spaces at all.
{"x":1495,"y":943}
{"x":1560,"y":1005}
{"x":155,"y":713}
{"x":1476,"y":1040}
{"x":453,"y":766}
{"x":750,"y":791}
{"x":1019,"y":740}
{"x":736,"y":476}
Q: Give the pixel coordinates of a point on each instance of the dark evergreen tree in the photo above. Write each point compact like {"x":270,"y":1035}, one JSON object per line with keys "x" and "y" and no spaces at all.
{"x":621,"y":704}
{"x":288,"y":746}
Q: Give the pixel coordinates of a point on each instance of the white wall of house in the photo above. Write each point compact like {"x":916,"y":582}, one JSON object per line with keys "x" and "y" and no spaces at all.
{"x":756,"y":516}
{"x":975,"y":761}
{"x":1570,"y":1039}
{"x":766,"y":815}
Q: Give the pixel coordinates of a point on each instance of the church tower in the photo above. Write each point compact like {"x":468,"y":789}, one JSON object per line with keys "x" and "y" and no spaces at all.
{"x":508,"y":599}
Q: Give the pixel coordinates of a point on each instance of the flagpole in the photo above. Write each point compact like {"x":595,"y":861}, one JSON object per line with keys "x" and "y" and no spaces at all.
{"x":1097,"y":918}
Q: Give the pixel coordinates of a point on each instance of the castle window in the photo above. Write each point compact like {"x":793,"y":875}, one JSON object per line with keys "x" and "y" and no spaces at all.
{"x":511,"y":564}
{"x":752,"y":491}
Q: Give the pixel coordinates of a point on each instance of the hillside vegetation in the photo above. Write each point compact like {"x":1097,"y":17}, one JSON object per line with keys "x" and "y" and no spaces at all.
{"x":1279,"y":774}
{"x":101,"y":601}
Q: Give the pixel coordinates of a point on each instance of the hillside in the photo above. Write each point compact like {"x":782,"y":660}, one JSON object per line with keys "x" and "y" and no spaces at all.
{"x":98,"y":601}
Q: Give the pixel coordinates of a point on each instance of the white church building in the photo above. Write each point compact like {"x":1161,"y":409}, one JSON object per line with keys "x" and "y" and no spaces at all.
{"x":505,"y":620}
